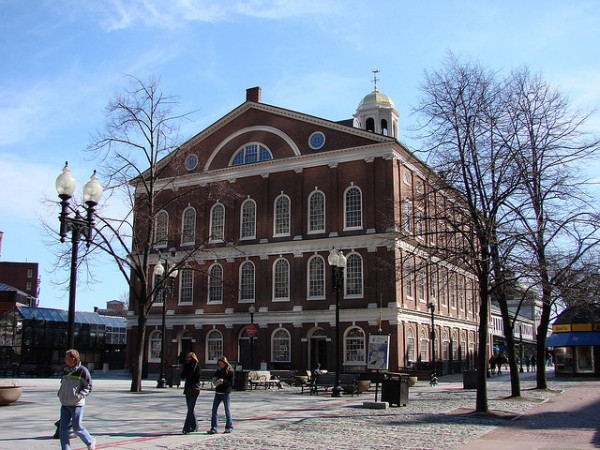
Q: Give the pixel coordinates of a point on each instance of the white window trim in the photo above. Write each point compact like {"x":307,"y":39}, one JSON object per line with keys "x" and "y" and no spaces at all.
{"x":346,"y":227}
{"x":362,"y":278}
{"x":211,"y":239}
{"x":152,"y":333}
{"x":154,"y":301}
{"x":208,"y":300}
{"x":321,"y":231}
{"x":191,"y":302}
{"x":316,"y":297}
{"x":246,"y":238}
{"x":156,"y":244}
{"x":281,"y":299}
{"x":253,"y":299}
{"x":345,"y":339}
{"x":289,"y":344}
{"x":275,"y":216}
{"x":206,"y":346}
{"x":193,"y":241}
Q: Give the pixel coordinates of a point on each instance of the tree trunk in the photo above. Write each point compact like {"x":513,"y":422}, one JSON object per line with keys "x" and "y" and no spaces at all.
{"x":481,"y":403}
{"x":136,"y":369}
{"x":541,"y":343}
{"x":515,"y":382}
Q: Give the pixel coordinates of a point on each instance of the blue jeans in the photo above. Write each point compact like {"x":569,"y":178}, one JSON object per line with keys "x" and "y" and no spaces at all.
{"x":72,"y":414}
{"x":214,"y":421}
{"x":191,"y":424}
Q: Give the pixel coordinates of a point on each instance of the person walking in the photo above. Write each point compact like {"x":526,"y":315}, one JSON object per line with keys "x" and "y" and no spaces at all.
{"x":75,"y":386}
{"x":527,"y":362}
{"x":191,"y":390}
{"x":493,"y":364}
{"x":223,"y":381}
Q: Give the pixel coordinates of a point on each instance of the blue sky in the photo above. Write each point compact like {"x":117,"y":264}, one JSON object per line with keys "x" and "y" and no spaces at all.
{"x":61,"y":62}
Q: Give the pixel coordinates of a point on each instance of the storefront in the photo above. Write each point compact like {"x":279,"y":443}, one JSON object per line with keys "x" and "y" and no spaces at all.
{"x":575,"y":341}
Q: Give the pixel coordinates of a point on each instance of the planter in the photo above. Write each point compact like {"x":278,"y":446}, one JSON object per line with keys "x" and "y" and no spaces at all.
{"x":363,"y":386}
{"x":9,"y":394}
{"x":412,"y":381}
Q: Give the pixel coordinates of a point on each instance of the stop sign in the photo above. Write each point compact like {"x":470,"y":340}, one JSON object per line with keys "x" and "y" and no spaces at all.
{"x":251,"y":330}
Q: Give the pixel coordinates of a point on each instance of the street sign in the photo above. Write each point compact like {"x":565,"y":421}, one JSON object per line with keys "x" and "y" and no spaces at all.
{"x":251,"y":330}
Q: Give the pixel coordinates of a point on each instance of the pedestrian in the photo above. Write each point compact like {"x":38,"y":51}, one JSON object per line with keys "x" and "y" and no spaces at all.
{"x":527,"y":362}
{"x":493,"y":365}
{"x":191,"y":390}
{"x":75,"y":386}
{"x":223,"y":381}
{"x":533,"y":363}
{"x":499,"y":361}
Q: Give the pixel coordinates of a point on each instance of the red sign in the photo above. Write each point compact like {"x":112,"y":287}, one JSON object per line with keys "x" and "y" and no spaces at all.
{"x":251,"y":330}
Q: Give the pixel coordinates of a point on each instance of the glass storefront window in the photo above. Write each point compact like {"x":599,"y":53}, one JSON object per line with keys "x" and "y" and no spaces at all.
{"x":563,"y":359}
{"x":585,"y":359}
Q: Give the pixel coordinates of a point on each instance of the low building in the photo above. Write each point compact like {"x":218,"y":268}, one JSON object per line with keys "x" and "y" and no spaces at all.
{"x":33,"y":340}
{"x":575,"y":341}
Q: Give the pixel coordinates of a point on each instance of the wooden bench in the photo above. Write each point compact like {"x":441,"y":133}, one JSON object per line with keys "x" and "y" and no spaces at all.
{"x":206,"y":376}
{"x":326,"y":381}
{"x":287,"y":376}
{"x":262,"y":378}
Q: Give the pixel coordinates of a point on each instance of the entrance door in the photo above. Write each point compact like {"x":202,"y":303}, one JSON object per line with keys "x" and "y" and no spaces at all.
{"x":318,"y":350}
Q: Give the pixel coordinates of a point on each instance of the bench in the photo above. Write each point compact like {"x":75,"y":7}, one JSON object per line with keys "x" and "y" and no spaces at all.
{"x":262,"y":378}
{"x":326,"y":381}
{"x":206,"y":376}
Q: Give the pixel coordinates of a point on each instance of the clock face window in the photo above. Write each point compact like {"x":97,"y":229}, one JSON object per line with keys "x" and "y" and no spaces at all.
{"x":316,"y":140}
{"x":191,"y":162}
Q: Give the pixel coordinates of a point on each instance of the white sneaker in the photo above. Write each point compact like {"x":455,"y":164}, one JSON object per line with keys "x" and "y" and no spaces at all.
{"x":92,"y":446}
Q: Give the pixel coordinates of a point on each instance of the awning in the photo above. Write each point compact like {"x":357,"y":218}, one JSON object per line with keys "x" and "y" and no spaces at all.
{"x":573,"y":339}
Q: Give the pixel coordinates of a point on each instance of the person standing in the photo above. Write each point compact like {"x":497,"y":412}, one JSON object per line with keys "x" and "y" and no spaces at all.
{"x":223,"y":381}
{"x":75,"y":386}
{"x":191,"y":390}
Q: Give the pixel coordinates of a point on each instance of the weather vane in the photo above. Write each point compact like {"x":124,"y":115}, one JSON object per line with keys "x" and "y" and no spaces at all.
{"x":375,"y":79}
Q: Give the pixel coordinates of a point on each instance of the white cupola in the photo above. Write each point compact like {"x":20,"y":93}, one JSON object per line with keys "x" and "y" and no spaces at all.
{"x":377,"y":113}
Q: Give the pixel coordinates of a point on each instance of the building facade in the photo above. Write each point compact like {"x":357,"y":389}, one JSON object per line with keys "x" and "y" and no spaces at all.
{"x":304,"y":186}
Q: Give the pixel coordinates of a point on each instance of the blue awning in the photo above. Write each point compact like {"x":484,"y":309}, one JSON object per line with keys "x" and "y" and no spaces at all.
{"x":574,"y":338}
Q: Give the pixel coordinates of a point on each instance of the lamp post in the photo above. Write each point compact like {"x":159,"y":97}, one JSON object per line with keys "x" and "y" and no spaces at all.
{"x":252,"y":310}
{"x":433,"y":380}
{"x":78,"y":226}
{"x":337,"y":261}
{"x":163,"y":273}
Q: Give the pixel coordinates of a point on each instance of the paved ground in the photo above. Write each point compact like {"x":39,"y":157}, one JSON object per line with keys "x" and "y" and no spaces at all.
{"x":435,"y":418}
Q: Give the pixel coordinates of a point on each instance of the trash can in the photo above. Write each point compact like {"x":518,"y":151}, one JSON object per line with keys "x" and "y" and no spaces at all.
{"x":240,"y":380}
{"x":174,"y":375}
{"x":394,"y":388}
{"x":470,"y":379}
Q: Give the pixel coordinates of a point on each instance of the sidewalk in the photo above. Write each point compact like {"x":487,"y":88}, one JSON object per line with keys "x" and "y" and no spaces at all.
{"x":570,"y":420}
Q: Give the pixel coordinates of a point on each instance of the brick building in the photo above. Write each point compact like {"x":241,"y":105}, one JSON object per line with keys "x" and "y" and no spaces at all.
{"x":306,"y":185}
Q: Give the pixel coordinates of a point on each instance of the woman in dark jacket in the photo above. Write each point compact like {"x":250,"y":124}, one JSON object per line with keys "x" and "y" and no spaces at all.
{"x":223,"y":381}
{"x":191,"y":390}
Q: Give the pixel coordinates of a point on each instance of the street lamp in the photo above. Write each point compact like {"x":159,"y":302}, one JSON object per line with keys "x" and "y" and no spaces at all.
{"x":252,"y":310}
{"x":163,"y":273}
{"x":79,"y":226}
{"x":337,"y":261}
{"x":433,"y":380}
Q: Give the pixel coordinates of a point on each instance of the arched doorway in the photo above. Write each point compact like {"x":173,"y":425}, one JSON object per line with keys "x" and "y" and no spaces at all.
{"x":247,"y":350}
{"x":185,"y":345}
{"x":317,"y":345}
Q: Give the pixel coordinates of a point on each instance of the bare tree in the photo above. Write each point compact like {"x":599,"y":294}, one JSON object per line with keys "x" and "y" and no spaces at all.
{"x":558,"y":226}
{"x":461,"y":107}
{"x":136,"y":149}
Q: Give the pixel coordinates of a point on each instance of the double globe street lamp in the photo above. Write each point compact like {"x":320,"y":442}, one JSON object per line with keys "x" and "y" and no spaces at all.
{"x":78,"y":226}
{"x":337,"y":261}
{"x":167,"y":286}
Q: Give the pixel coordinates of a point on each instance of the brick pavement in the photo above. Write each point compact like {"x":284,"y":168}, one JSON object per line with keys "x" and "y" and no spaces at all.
{"x":570,"y":420}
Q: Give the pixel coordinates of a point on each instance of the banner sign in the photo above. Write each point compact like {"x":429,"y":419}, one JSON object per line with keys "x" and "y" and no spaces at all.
{"x":379,"y":349}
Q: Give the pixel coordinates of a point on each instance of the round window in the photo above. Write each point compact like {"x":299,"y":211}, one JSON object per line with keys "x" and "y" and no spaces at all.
{"x":316,"y":140}
{"x":191,"y":162}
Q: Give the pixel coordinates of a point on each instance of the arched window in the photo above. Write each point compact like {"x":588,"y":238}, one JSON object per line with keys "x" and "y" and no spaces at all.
{"x":410,"y":345}
{"x":214,"y":346}
{"x":281,"y":345}
{"x":217,"y":223}
{"x":161,"y":229}
{"x":419,"y":219}
{"x":159,"y":292}
{"x":188,"y":226}
{"x":154,"y":346}
{"x":461,"y":293}
{"x":455,"y":346}
{"x":281,"y":279}
{"x":424,"y":346}
{"x":407,"y":217}
{"x":354,"y":344}
{"x":354,"y":275}
{"x":408,"y":277}
{"x":215,"y":284}
{"x":186,"y":287}
{"x":384,"y":127}
{"x":452,"y":288}
{"x":421,"y":284}
{"x":371,"y":124}
{"x":251,"y":153}
{"x":248,"y":225}
{"x":432,"y":284}
{"x":281,"y":221}
{"x":247,"y":282}
{"x":445,"y":346}
{"x":316,"y":212}
{"x":353,"y":208}
{"x":316,"y":277}
{"x":444,"y":288}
